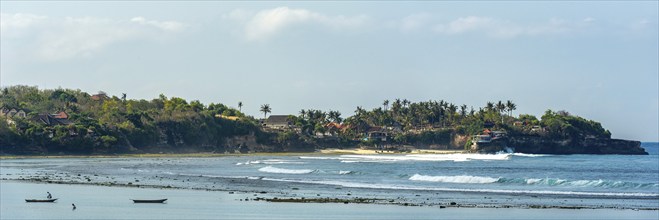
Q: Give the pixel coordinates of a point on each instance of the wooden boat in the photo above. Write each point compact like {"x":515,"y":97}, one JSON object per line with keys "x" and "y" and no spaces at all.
{"x":40,"y":200}
{"x":149,"y":200}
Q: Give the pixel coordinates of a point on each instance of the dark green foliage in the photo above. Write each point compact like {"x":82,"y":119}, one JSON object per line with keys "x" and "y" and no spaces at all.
{"x":563,"y":125}
{"x":114,"y":125}
{"x":118,"y":125}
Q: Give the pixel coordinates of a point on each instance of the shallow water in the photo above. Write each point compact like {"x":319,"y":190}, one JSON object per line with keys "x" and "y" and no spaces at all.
{"x":495,"y":180}
{"x":103,"y":202}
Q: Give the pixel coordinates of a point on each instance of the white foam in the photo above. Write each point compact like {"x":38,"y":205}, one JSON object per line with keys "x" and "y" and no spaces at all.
{"x":271,"y":169}
{"x":529,"y":155}
{"x":532,"y":181}
{"x":319,"y":158}
{"x":271,"y":161}
{"x":587,"y":183}
{"x":412,"y":157}
{"x":454,"y":179}
{"x":506,"y":191}
{"x":424,"y":157}
{"x":344,"y":172}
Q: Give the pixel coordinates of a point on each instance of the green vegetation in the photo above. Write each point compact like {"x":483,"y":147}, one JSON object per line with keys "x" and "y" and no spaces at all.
{"x":563,"y":125}
{"x":102,"y":124}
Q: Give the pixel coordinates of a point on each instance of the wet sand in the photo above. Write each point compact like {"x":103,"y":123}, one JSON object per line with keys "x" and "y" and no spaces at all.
{"x":104,"y":202}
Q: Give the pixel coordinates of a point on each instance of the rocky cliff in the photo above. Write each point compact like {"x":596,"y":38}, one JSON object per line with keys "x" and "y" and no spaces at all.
{"x":543,"y":145}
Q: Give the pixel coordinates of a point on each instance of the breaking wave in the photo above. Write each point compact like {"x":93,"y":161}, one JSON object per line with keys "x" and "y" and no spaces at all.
{"x":413,"y":157}
{"x":534,"y":181}
{"x":454,"y":179}
{"x":503,"y":191}
{"x":530,"y":155}
{"x":579,"y":183}
{"x":345,"y":172}
{"x":272,"y":161}
{"x":271,"y":169}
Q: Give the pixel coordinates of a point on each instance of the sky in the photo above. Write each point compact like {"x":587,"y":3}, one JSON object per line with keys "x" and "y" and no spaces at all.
{"x":595,"y":59}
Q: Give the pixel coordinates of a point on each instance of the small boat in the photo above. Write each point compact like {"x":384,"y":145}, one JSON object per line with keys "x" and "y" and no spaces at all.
{"x":40,"y":200}
{"x":149,"y":200}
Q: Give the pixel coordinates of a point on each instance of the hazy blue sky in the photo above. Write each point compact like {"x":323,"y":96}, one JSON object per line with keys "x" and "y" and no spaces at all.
{"x":598,"y":60}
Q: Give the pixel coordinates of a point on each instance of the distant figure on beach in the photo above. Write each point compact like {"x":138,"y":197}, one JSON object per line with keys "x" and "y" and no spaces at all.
{"x":49,"y":196}
{"x":74,"y":206}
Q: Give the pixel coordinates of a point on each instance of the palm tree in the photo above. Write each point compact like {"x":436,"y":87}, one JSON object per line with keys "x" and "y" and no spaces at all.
{"x":265,"y":108}
{"x":511,"y":107}
{"x":406,"y":102}
{"x":240,"y":106}
{"x":501,"y":108}
{"x":335,"y":116}
{"x":463,"y":111}
{"x":385,"y":104}
{"x":303,"y":113}
{"x":489,"y":106}
{"x":360,"y":111}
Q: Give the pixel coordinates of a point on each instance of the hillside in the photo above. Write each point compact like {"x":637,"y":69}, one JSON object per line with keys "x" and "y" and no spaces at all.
{"x":66,"y":121}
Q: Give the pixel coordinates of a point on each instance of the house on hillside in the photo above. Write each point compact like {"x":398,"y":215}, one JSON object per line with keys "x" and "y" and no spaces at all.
{"x":99,"y":97}
{"x":483,"y":138}
{"x":377,"y":133}
{"x":60,"y":115}
{"x":278,"y":122}
{"x":488,"y":136}
{"x":333,"y":128}
{"x":49,"y":120}
{"x":396,"y":127}
{"x":12,"y":113}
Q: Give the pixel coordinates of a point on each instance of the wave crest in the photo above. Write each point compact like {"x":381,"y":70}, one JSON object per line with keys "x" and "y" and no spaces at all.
{"x":271,"y":161}
{"x":271,"y":169}
{"x":454,"y":179}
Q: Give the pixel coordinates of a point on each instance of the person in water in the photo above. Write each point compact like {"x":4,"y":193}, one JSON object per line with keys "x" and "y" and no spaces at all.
{"x":49,"y":196}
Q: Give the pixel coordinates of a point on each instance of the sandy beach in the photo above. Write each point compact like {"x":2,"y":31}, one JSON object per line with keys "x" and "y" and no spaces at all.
{"x":360,"y":151}
{"x":102,"y":202}
{"x":355,"y":151}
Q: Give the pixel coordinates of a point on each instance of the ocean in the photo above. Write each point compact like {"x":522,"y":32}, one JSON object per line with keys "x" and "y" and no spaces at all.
{"x":455,"y":180}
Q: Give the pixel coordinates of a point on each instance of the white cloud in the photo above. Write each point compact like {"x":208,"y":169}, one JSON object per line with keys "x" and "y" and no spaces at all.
{"x":414,"y":22}
{"x":505,"y":29}
{"x":467,"y":24}
{"x":63,"y":38}
{"x":18,"y":20}
{"x":11,"y":24}
{"x":163,"y":25}
{"x":267,"y":23}
{"x":640,"y":24}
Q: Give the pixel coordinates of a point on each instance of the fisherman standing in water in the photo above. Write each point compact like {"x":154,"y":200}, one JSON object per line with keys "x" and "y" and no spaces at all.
{"x":49,"y":196}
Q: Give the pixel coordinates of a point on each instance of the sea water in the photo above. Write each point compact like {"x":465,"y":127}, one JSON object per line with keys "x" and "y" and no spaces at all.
{"x":480,"y":180}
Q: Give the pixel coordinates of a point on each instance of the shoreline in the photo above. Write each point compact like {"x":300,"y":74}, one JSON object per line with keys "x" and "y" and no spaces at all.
{"x":331,"y":151}
{"x":257,"y":189}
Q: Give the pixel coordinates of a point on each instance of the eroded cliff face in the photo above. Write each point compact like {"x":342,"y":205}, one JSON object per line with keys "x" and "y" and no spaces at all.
{"x":542,"y":145}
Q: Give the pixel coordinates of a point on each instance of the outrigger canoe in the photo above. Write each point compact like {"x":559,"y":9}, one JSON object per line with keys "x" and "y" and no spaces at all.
{"x":40,"y":200}
{"x":149,"y":200}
